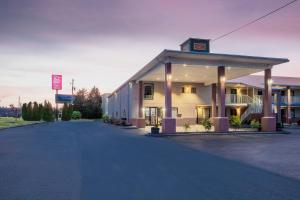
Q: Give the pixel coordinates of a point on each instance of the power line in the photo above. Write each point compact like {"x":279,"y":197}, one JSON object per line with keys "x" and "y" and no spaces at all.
{"x":255,"y":20}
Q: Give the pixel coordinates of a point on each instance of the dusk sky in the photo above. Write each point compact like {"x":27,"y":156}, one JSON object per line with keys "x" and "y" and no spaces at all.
{"x":103,"y":43}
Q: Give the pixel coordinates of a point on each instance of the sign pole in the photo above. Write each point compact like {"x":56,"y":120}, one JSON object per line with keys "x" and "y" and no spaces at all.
{"x":56,"y":112}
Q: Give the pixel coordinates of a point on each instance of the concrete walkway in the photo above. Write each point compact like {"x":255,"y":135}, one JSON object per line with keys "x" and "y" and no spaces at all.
{"x":90,"y":160}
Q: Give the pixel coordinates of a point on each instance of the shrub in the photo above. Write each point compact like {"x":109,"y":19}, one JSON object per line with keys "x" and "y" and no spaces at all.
{"x":105,"y":118}
{"x":206,"y":123}
{"x":255,"y":124}
{"x":186,"y":126}
{"x":76,"y":115}
{"x":67,"y":112}
{"x":235,"y":122}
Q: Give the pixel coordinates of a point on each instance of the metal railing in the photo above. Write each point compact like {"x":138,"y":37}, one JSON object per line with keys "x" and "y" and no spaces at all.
{"x":237,"y":99}
{"x":254,"y":107}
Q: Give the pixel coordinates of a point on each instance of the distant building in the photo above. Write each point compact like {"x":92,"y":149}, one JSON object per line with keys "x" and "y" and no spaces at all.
{"x":10,"y":112}
{"x":105,"y":103}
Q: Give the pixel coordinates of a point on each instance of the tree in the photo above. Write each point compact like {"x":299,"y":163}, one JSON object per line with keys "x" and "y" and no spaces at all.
{"x":29,"y":111}
{"x":24,"y":112}
{"x":48,"y":114}
{"x":94,"y":102}
{"x":67,"y":112}
{"x":88,"y":104}
{"x":35,"y":112}
{"x":80,"y":101}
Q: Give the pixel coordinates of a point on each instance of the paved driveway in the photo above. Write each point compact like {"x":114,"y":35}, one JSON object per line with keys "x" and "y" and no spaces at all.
{"x":277,"y":153}
{"x":90,"y":160}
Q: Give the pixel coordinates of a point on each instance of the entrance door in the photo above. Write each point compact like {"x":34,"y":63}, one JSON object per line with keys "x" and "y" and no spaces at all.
{"x":202,"y":113}
{"x":151,"y":116}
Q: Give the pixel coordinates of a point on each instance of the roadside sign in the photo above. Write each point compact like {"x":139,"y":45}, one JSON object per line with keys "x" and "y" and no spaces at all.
{"x":56,"y":82}
{"x":63,"y":98}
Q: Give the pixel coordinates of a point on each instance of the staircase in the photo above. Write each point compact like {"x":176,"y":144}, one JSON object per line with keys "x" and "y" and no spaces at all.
{"x":254,"y":106}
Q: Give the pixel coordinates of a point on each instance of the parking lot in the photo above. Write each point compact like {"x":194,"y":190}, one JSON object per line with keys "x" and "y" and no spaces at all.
{"x":278,"y":153}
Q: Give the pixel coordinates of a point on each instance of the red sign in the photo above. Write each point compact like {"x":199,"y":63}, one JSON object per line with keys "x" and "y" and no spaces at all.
{"x":56,"y":82}
{"x":199,"y":46}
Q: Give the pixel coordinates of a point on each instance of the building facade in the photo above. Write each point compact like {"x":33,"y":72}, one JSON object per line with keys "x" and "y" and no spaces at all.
{"x":191,"y":84}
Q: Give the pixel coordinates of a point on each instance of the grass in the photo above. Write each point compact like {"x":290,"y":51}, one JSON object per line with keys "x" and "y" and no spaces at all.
{"x":6,"y":122}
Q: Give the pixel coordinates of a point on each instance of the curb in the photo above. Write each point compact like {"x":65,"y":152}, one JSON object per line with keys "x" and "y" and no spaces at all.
{"x":216,"y":133}
{"x":33,"y":124}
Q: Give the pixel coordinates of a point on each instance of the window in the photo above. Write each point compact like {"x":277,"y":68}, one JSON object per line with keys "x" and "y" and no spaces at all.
{"x":187,"y":89}
{"x":282,"y":93}
{"x":193,"y":90}
{"x":293,"y":113}
{"x":148,"y":91}
{"x":259,"y":92}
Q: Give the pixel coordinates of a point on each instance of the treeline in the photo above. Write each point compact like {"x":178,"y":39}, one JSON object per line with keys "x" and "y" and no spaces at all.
{"x":37,"y":112}
{"x":88,"y":103}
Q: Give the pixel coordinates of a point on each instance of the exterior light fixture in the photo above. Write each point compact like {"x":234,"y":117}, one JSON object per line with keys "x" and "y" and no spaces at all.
{"x":130,"y":84}
{"x":270,"y":81}
{"x":184,"y":65}
{"x":207,"y":67}
{"x":169,"y":77}
{"x":186,"y":75}
{"x":223,"y":79}
{"x":229,"y":68}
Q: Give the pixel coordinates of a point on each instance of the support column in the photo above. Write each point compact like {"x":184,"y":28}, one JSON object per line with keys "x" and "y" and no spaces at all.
{"x":221,"y":122}
{"x":278,"y":107}
{"x":268,"y":121}
{"x":213,"y":102}
{"x":288,"y":105}
{"x":169,"y":123}
{"x":140,"y":122}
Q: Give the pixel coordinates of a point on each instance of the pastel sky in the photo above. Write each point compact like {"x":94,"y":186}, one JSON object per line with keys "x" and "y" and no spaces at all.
{"x":103,"y":43}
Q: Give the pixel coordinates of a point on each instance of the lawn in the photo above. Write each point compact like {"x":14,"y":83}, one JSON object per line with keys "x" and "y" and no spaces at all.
{"x":6,"y":122}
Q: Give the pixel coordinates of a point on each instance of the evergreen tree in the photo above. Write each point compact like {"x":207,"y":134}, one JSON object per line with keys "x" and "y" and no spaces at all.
{"x":24,"y":112}
{"x":35,"y":112}
{"x":40,"y":111}
{"x":67,"y":112}
{"x":48,"y":114}
{"x":29,"y":111}
{"x":94,"y":102}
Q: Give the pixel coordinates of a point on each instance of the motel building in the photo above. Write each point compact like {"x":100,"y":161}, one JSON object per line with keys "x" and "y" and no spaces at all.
{"x":186,"y":86}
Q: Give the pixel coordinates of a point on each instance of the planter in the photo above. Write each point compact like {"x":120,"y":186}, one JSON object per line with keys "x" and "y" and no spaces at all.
{"x":154,"y":130}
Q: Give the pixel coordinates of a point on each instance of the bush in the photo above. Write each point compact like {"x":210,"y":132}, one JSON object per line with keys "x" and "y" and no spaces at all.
{"x":67,"y":112}
{"x":235,"y":122}
{"x":76,"y":115}
{"x":255,"y":124}
{"x":105,"y":118}
{"x":186,"y":126}
{"x":206,"y":123}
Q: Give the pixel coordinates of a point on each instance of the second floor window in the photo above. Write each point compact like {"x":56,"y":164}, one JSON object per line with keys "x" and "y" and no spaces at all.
{"x":148,"y":91}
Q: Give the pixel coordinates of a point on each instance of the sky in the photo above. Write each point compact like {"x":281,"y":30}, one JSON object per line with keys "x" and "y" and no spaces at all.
{"x":102,"y":43}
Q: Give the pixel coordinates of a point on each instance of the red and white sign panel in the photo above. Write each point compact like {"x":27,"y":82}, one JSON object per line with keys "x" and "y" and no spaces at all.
{"x":56,"y":82}
{"x":199,"y":46}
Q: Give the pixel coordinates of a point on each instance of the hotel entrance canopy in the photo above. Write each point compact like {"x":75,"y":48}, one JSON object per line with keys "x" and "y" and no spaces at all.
{"x":202,"y":67}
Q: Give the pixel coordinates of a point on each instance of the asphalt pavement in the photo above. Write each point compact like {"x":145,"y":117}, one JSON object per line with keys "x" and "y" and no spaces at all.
{"x":90,"y":160}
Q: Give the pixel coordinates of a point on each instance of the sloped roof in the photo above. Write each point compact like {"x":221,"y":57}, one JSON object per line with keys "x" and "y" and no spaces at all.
{"x":258,"y":81}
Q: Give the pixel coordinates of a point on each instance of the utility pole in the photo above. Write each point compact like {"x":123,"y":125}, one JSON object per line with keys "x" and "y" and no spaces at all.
{"x":73,"y":89}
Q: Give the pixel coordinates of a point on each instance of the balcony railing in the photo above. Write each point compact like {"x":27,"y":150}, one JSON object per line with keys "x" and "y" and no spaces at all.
{"x":237,"y":99}
{"x":295,"y":100}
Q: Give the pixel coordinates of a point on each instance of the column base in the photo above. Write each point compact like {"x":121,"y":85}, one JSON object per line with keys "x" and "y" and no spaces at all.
{"x":221,"y":124}
{"x":268,"y":124}
{"x":139,"y":123}
{"x":169,"y":125}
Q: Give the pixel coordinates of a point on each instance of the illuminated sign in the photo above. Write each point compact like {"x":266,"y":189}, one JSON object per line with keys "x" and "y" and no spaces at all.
{"x":199,"y":46}
{"x":64,"y":98}
{"x":56,"y":82}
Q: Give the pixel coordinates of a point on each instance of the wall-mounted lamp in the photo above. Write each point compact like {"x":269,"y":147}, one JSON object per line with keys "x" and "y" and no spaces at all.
{"x":223,"y":79}
{"x":169,"y":77}
{"x":270,"y":81}
{"x":130,"y":84}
